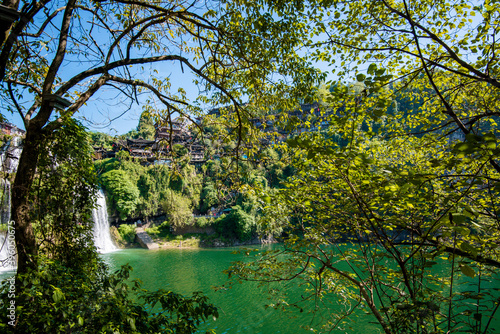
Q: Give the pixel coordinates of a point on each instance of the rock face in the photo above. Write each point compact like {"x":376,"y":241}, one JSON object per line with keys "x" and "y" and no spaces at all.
{"x":144,"y":239}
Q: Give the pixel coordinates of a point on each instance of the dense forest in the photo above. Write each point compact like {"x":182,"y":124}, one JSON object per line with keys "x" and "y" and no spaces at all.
{"x":138,"y":189}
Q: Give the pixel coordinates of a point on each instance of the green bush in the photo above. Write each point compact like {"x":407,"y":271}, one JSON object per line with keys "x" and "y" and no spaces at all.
{"x":164,"y":228}
{"x":88,"y":300}
{"x":159,"y":231}
{"x":209,"y":197}
{"x":202,"y":222}
{"x":176,"y":207}
{"x":153,"y":232}
{"x":123,"y":155}
{"x":127,"y":232}
{"x":238,"y":224}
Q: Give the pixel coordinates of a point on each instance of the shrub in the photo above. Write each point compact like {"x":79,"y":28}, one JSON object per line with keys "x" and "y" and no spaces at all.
{"x":209,"y":197}
{"x":127,"y":232}
{"x":88,"y":300}
{"x":159,"y":231}
{"x":202,"y":222}
{"x":164,"y":228}
{"x":236,"y":225}
{"x":176,"y":207}
{"x":153,"y":232}
{"x":123,"y":155}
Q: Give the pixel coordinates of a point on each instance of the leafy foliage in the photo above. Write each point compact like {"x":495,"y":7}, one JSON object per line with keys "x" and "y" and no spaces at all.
{"x":70,"y":289}
{"x":89,"y":300}
{"x":63,"y":194}
{"x":406,"y":173}
{"x":209,"y":197}
{"x":146,"y":127}
{"x":122,"y":192}
{"x":238,"y":224}
{"x":127,"y":232}
{"x":177,"y":208}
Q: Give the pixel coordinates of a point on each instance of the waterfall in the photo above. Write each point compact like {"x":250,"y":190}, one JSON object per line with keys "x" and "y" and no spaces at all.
{"x":9,"y":160}
{"x":7,"y":253}
{"x":9,"y":155}
{"x":5,"y":201}
{"x":102,"y":237}
{"x":7,"y":246}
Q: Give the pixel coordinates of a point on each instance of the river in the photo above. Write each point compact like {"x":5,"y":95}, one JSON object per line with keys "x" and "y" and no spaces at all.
{"x":241,"y":308}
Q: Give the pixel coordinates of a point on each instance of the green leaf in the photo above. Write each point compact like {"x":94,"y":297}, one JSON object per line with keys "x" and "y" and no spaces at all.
{"x":468,"y":248}
{"x":57,"y":295}
{"x":467,"y":271}
{"x":360,"y":77}
{"x":459,"y":218}
{"x":372,"y":68}
{"x":311,"y":155}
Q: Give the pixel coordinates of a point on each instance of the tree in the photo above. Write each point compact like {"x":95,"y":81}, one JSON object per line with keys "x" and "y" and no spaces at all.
{"x":221,"y":45}
{"x":71,"y":288}
{"x":411,"y":190}
{"x":63,"y":195}
{"x":72,"y":49}
{"x":146,"y":127}
{"x":238,"y":225}
{"x":100,"y":139}
{"x":209,"y":197}
{"x":177,"y":208}
{"x":87,"y":299}
{"x":448,"y":59}
{"x":123,"y":193}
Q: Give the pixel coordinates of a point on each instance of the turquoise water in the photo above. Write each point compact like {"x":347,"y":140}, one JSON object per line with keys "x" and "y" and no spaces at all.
{"x":241,"y":308}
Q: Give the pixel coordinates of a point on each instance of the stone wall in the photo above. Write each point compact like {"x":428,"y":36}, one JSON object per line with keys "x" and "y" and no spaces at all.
{"x":192,"y":229}
{"x":155,"y":220}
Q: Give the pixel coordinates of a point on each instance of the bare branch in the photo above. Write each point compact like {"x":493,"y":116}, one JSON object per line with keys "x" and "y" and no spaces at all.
{"x":44,"y":25}
{"x":61,"y":49}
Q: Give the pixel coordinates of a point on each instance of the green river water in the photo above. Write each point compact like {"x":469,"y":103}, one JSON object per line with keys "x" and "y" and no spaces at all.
{"x":241,"y":308}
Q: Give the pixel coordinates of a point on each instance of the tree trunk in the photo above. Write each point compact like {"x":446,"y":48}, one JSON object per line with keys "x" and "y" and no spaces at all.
{"x":20,"y":206}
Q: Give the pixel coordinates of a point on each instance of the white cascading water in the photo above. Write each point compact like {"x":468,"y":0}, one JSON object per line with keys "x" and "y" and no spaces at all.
{"x":102,"y":236}
{"x":9,"y":155}
{"x":9,"y":160}
{"x":5,"y":201}
{"x":7,"y":248}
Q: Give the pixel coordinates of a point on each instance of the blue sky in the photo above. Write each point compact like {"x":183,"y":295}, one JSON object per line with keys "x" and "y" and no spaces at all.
{"x":107,"y":110}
